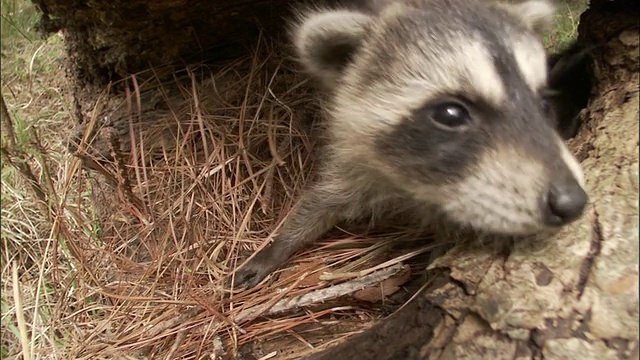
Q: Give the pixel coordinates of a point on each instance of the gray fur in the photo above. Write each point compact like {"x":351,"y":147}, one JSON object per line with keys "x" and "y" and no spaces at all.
{"x":385,"y":69}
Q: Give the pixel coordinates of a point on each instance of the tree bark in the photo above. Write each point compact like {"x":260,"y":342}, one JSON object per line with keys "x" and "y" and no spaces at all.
{"x":108,"y":40}
{"x":574,"y":296}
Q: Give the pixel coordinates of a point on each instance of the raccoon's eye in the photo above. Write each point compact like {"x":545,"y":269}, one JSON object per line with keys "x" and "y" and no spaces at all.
{"x":450,"y":115}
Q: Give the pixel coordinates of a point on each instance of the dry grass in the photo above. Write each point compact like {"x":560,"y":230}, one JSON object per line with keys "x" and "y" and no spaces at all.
{"x":32,"y":164}
{"x":131,"y":260}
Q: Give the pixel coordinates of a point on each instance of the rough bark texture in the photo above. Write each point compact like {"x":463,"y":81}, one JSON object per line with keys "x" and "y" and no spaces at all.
{"x":108,"y":40}
{"x":574,"y":296}
{"x":111,"y":39}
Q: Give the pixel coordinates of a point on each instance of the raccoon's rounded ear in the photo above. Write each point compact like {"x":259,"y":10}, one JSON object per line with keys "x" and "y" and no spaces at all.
{"x":325,"y":41}
{"x":535,"y":14}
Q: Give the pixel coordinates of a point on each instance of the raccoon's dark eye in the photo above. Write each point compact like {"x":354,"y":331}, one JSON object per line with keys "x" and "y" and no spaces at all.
{"x":450,"y":115}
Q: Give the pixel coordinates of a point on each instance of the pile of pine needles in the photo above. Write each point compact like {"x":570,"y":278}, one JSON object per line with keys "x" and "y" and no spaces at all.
{"x":172,"y":185}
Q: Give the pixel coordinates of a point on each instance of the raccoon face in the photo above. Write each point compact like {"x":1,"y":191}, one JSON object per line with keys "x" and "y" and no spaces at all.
{"x":444,"y":99}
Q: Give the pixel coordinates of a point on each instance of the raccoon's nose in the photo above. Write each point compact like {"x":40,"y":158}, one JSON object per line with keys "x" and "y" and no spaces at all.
{"x":564,"y":202}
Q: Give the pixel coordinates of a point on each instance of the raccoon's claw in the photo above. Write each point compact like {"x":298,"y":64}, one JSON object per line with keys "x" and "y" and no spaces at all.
{"x":248,"y":277}
{"x":256,"y":270}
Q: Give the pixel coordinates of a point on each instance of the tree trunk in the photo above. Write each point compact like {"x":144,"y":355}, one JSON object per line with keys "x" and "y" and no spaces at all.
{"x":108,"y":40}
{"x":574,"y":296}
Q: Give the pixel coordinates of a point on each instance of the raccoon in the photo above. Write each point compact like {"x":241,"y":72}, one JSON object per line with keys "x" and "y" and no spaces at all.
{"x":435,"y":109}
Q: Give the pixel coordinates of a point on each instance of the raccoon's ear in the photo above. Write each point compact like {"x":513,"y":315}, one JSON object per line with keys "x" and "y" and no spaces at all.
{"x":535,"y":14}
{"x":325,"y":41}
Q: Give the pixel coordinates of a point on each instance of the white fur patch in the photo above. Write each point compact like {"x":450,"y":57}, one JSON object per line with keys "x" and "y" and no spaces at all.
{"x":416,"y":77}
{"x":535,"y":14}
{"x":532,"y":62}
{"x":392,"y":9}
{"x":572,"y":163}
{"x":480,"y":71}
{"x":501,"y":195}
{"x":463,"y":66}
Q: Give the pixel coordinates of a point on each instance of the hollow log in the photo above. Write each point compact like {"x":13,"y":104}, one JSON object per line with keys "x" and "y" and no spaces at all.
{"x":108,"y":40}
{"x":574,"y":296}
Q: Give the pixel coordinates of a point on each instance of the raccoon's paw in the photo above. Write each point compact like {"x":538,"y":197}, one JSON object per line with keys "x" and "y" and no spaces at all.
{"x":256,"y":270}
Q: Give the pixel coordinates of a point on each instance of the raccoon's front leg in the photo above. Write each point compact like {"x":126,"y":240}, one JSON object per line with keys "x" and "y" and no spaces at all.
{"x":319,"y":209}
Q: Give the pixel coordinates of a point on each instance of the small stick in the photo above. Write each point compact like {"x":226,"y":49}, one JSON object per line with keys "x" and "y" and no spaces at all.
{"x":22,"y":324}
{"x":323,"y":295}
{"x":176,"y":344}
{"x":296,"y":302}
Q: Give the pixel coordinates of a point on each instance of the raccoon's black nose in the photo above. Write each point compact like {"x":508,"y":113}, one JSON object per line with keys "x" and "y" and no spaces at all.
{"x":565,"y":202}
